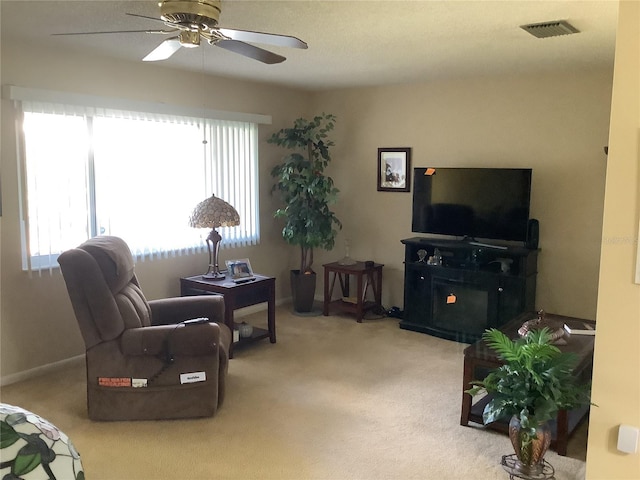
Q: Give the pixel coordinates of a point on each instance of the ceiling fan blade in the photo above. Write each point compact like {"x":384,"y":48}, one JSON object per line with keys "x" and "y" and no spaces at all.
{"x":266,"y":38}
{"x":250,"y":51}
{"x":144,"y":16}
{"x":119,"y":31}
{"x":164,"y":50}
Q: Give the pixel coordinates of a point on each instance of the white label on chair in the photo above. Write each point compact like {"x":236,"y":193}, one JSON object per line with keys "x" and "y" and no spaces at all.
{"x":138,"y":382}
{"x":193,"y":377}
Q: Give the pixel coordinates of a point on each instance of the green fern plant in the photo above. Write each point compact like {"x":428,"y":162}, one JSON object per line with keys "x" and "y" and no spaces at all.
{"x":535,"y":381}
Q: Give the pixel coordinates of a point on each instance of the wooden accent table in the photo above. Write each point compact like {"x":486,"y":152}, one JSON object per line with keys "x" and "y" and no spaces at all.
{"x":366,"y":276}
{"x":238,"y":295}
{"x":479,"y":359}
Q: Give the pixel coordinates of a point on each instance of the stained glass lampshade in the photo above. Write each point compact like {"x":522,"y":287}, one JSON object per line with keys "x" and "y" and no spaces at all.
{"x":213,"y":213}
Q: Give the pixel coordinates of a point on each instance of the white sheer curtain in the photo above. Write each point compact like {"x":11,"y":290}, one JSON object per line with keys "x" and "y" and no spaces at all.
{"x":90,"y":171}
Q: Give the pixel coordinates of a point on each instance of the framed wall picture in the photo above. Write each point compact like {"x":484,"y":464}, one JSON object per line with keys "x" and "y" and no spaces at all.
{"x":394,"y":169}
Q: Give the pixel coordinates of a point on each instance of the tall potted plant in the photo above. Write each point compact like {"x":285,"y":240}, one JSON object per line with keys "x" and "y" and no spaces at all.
{"x":306,"y":193}
{"x":534,"y":382}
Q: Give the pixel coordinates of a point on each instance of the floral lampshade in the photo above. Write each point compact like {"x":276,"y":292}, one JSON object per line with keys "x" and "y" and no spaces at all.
{"x":213,"y":213}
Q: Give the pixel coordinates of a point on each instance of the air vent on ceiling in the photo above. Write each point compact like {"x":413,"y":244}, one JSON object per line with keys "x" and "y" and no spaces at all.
{"x":550,"y":29}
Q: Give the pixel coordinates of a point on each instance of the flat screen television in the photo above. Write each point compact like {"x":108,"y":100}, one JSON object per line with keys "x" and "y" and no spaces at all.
{"x":473,"y":203}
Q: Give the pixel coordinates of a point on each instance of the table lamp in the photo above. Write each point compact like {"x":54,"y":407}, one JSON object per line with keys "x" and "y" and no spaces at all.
{"x":213,"y":213}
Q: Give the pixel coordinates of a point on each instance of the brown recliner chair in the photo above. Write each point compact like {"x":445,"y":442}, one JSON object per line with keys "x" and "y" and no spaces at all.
{"x":131,"y":343}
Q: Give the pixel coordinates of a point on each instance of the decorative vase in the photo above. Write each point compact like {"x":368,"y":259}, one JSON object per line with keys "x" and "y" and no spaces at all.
{"x":245,"y":330}
{"x":303,"y":290}
{"x":530,"y":454}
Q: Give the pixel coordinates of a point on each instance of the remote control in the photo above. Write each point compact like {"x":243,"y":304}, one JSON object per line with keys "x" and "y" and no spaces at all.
{"x":195,"y":321}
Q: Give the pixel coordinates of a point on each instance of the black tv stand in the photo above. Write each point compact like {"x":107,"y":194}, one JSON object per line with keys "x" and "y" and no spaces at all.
{"x":476,"y":243}
{"x":477,"y":287}
{"x":487,"y":245}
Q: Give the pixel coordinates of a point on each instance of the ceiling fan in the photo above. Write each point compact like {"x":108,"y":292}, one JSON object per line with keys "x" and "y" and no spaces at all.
{"x":193,"y":20}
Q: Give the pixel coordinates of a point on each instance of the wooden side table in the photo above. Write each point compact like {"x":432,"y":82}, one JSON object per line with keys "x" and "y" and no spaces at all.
{"x":366,"y":277}
{"x":238,"y":295}
{"x":480,"y":359}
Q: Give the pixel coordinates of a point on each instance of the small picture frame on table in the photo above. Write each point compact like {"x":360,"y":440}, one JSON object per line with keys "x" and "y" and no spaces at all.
{"x":394,"y":169}
{"x":240,"y":270}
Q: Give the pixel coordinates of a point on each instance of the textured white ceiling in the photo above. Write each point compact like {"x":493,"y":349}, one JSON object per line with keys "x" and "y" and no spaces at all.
{"x":351,"y":43}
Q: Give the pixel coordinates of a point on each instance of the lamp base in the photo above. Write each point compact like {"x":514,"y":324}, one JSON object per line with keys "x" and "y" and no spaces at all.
{"x":213,"y":245}
{"x":214,"y":276}
{"x":213,"y":273}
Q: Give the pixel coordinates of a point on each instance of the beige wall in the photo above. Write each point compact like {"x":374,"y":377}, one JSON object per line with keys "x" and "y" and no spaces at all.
{"x":38,"y":326}
{"x":555,"y":123}
{"x":616,"y":376}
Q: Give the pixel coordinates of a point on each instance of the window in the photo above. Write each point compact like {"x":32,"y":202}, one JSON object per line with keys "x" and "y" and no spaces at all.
{"x":90,"y":171}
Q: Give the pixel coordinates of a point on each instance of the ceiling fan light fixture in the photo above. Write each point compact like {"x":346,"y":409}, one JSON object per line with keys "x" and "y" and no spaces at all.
{"x":189,"y":39}
{"x":203,"y":14}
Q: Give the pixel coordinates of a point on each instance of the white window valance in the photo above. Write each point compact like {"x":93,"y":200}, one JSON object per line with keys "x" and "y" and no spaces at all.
{"x":13,"y":92}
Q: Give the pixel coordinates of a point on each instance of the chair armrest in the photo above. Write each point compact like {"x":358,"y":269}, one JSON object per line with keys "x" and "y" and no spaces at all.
{"x":168,"y":311}
{"x":179,"y":339}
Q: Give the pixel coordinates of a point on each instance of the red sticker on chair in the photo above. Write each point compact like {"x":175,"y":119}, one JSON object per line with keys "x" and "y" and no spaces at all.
{"x":114,"y":381}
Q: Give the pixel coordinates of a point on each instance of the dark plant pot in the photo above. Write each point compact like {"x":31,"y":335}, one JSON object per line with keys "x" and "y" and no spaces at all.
{"x":530,"y":455}
{"x":303,"y":290}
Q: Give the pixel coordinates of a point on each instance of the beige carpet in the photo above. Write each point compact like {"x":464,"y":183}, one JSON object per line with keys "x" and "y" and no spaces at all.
{"x":333,"y":399}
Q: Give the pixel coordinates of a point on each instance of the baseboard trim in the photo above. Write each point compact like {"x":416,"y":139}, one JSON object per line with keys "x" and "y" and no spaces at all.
{"x":41,"y":370}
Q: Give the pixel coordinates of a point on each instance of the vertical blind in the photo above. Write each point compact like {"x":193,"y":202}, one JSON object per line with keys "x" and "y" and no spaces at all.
{"x":88,"y":171}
